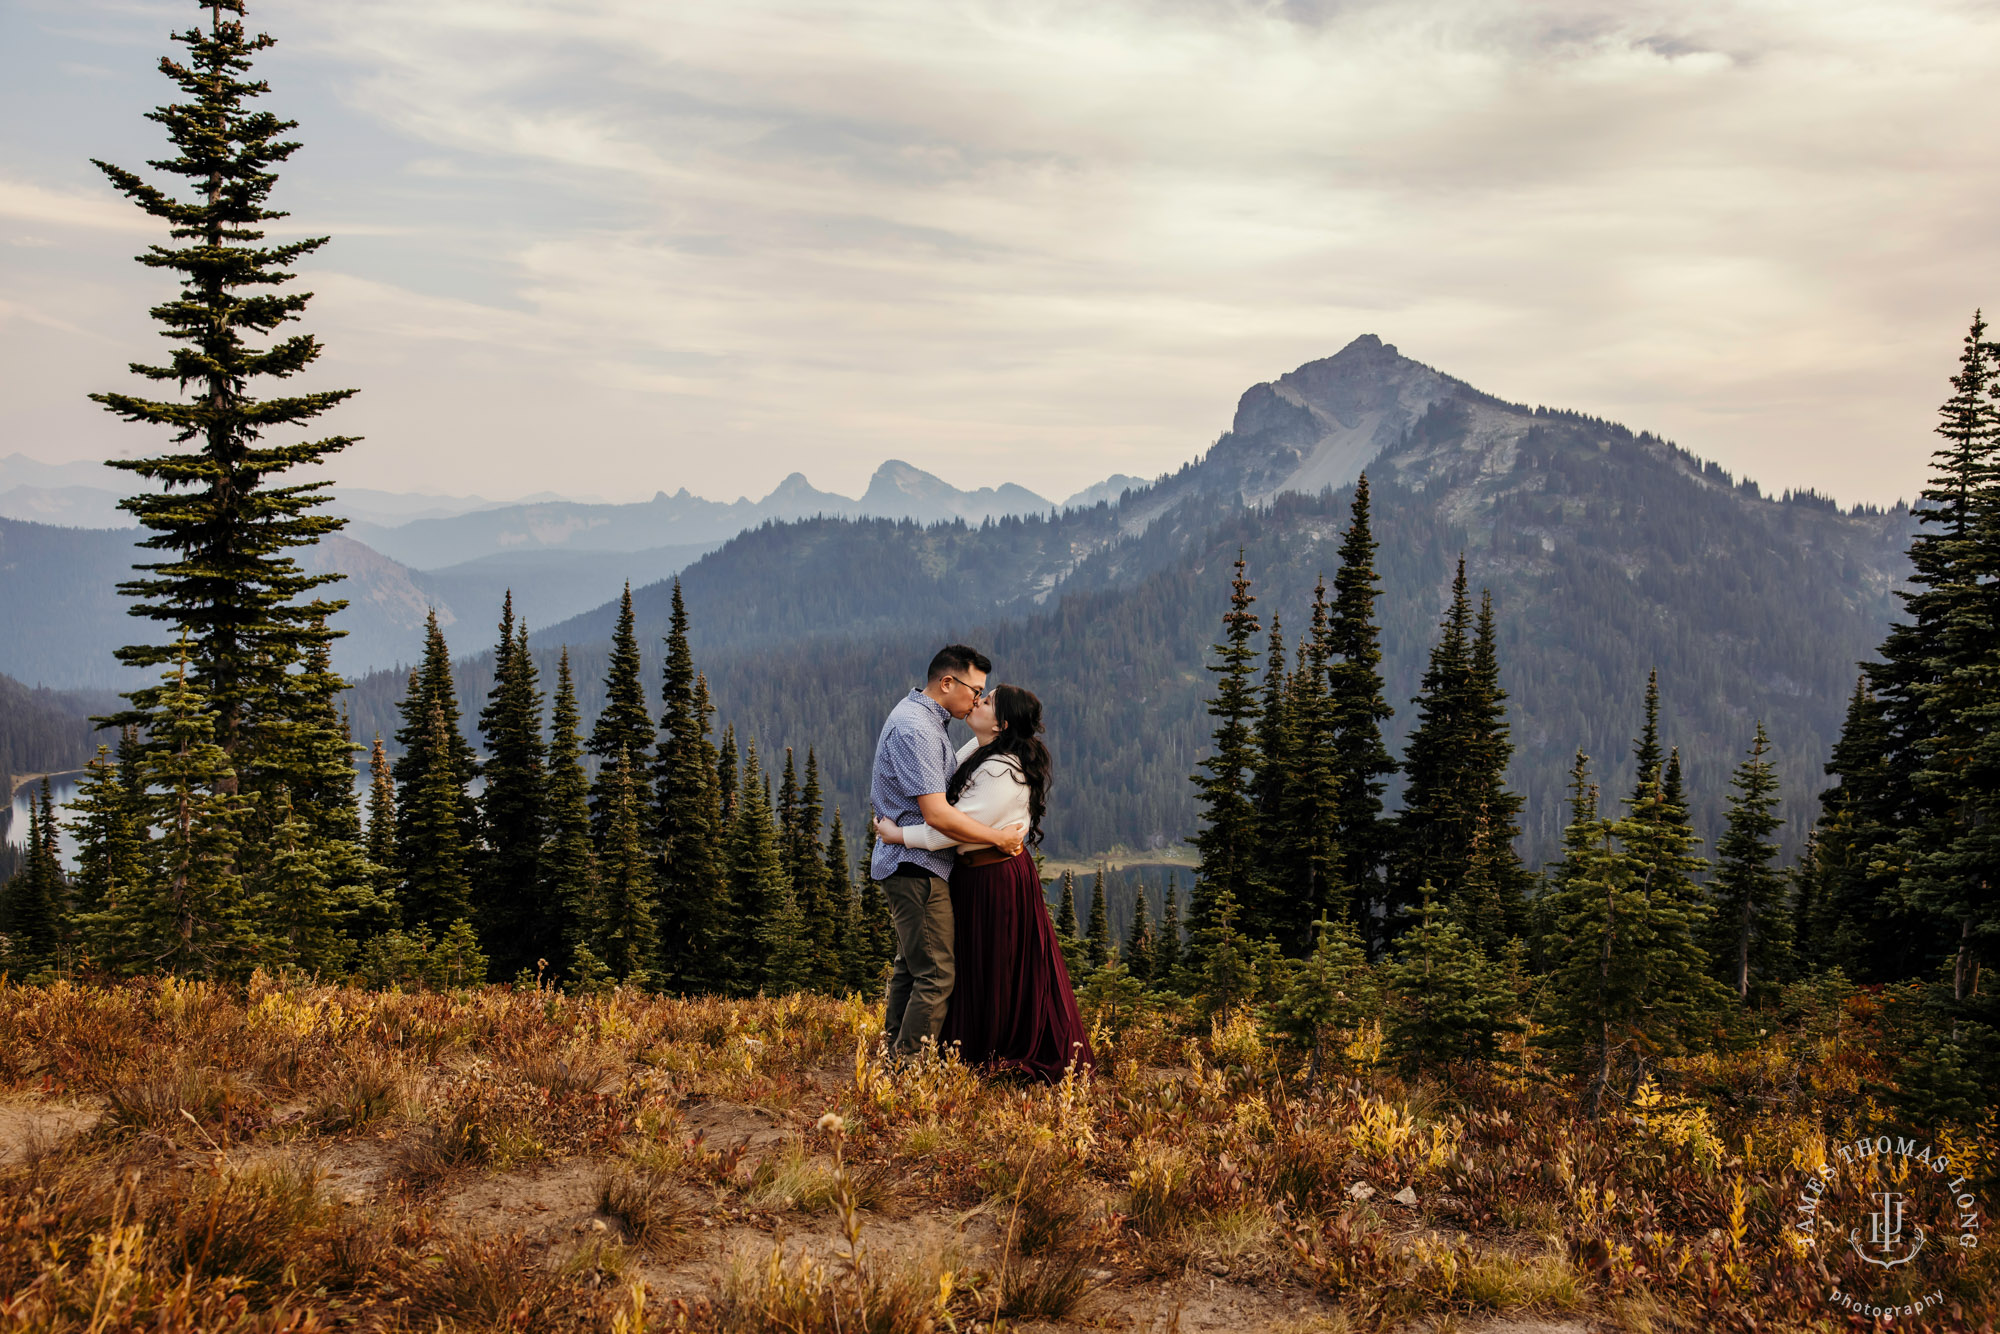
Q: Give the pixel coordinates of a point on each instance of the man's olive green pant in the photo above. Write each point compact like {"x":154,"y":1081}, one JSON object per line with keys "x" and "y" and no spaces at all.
{"x":920,"y":983}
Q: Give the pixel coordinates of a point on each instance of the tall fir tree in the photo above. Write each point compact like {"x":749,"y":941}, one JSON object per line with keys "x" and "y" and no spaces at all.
{"x":1361,"y":760}
{"x":728,"y":780}
{"x":878,"y":932}
{"x":1751,"y":932}
{"x":381,"y":844}
{"x":1647,"y":758}
{"x":436,"y":891}
{"x":852,"y":935}
{"x":809,"y":884}
{"x":1858,"y":924}
{"x":1097,"y":937}
{"x":436,"y":769}
{"x":1138,"y":952}
{"x":623,"y":726}
{"x":1273,"y":787}
{"x":516,"y":926}
{"x":694,"y":905}
{"x":1066,"y":923}
{"x":625,"y":939}
{"x":1498,"y":825}
{"x":568,"y":863}
{"x":1227,"y":840}
{"x":758,"y":887}
{"x":1939,"y":680}
{"x":1312,"y":887}
{"x":223,"y":512}
{"x":1456,"y":761}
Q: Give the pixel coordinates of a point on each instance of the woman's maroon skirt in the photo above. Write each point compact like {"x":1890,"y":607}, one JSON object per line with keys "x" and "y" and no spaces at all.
{"x":1012,"y":1007}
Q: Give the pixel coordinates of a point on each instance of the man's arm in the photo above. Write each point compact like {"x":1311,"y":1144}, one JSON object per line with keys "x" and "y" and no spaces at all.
{"x":947,"y":819}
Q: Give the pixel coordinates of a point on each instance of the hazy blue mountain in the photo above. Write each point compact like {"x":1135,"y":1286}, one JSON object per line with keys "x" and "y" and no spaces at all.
{"x":1105,"y":492}
{"x":897,"y":490}
{"x":1608,"y":553}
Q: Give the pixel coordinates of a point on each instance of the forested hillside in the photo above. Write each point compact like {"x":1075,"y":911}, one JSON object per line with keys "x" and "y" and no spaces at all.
{"x":1608,"y":553}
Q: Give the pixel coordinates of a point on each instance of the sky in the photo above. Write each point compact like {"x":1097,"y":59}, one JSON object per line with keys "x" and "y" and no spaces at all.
{"x":608,"y":247}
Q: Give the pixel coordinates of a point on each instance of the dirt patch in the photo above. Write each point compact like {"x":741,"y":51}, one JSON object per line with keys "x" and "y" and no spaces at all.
{"x":547,"y":1204}
{"x":724,"y":1125}
{"x":28,"y":1128}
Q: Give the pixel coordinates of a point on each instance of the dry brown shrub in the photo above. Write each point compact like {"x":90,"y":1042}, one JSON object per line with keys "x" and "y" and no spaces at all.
{"x":483,"y":1282}
{"x":643,"y":1200}
{"x":181,"y":1097}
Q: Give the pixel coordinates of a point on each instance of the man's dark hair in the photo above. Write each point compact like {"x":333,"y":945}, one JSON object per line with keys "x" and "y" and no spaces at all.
{"x":953,"y":659}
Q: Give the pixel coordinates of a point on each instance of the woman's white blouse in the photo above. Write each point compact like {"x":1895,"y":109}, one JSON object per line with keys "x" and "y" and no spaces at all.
{"x":996,"y":795}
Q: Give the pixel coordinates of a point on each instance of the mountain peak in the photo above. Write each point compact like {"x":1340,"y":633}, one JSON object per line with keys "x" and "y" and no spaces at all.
{"x":1320,"y":425}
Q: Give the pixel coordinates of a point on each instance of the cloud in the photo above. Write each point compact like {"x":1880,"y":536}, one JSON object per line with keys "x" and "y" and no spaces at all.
{"x":1044,"y":242}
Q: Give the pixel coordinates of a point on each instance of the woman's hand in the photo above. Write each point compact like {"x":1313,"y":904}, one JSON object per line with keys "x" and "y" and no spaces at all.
{"x":888,"y":831}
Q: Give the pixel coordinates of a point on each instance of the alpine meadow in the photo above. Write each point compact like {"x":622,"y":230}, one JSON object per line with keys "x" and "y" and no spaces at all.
{"x":1516,"y":875}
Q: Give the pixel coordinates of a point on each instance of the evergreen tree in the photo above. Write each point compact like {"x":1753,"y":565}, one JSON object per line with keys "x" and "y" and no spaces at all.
{"x":1273,"y":786}
{"x":1066,"y":924}
{"x":1646,"y":746}
{"x":246,"y":610}
{"x":1453,"y":1003}
{"x":436,"y":769}
{"x":809,"y":884}
{"x":758,"y":886}
{"x":109,"y":840}
{"x":1361,"y":761}
{"x":1328,"y":996}
{"x":188,"y":913}
{"x":1167,"y":954}
{"x":430,"y":837}
{"x":727,"y":780}
{"x":1940,"y":678}
{"x":624,"y":726}
{"x":568,"y":864}
{"x":877,"y":931}
{"x":1228,"y":836}
{"x":516,"y":926}
{"x":1456,"y":761}
{"x":1858,"y":925}
{"x":1498,"y":824}
{"x":694,"y":908}
{"x":300,"y":911}
{"x":852,"y":936}
{"x":33,"y":902}
{"x":1312,"y":888}
{"x":625,"y":939}
{"x":1628,"y":980}
{"x":1751,"y":936}
{"x":381,"y":845}
{"x":1097,"y":939}
{"x":1138,"y":952}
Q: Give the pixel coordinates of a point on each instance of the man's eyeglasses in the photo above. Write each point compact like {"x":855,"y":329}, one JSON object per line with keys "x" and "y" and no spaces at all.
{"x":978,"y":692}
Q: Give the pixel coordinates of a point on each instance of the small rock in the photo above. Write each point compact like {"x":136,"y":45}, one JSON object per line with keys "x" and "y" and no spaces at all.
{"x":1407,"y":1195}
{"x":1361,"y":1190}
{"x":1100,"y":1275}
{"x":1217,"y":1268}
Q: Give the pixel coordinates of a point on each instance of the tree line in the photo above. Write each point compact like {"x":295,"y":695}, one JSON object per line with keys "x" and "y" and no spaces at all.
{"x":1315,"y":901}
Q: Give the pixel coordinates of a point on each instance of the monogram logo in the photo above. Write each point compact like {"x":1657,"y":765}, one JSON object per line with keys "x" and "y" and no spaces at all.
{"x":1885,"y":1232}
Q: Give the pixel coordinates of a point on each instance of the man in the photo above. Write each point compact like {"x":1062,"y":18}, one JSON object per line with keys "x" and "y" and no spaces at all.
{"x":914,"y":759}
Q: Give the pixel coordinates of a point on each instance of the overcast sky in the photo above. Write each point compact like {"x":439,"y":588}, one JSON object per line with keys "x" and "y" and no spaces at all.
{"x":612,"y":246}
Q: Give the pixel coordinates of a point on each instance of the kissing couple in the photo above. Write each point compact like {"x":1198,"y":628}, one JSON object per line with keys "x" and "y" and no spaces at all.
{"x":977,"y":962}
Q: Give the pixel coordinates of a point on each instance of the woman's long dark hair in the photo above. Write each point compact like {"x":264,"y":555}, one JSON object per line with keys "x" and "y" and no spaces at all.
{"x":1019,"y":714}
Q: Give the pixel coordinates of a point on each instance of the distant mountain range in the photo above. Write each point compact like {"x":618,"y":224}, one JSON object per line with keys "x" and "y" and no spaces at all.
{"x":1608,"y":553}
{"x":61,"y":532}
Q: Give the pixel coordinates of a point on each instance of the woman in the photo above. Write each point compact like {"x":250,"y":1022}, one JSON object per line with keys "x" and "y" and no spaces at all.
{"x":1012,"y":1008}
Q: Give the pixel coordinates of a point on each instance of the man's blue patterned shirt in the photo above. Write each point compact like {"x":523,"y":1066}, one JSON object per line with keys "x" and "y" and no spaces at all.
{"x":913,"y":757}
